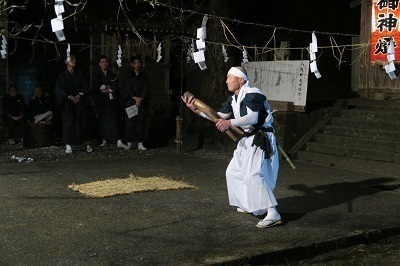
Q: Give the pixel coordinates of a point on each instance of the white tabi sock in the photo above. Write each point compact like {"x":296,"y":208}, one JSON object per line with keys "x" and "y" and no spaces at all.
{"x":121,"y":145}
{"x":141,"y":147}
{"x":129,"y":146}
{"x":260,"y":212}
{"x":272,"y":214}
{"x":68,"y":149}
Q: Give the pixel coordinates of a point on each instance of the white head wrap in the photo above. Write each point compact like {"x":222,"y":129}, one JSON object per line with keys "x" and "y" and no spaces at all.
{"x":236,"y":72}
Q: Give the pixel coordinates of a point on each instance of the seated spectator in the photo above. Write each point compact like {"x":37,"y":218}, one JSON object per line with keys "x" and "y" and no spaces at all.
{"x":14,"y":111}
{"x":40,"y":107}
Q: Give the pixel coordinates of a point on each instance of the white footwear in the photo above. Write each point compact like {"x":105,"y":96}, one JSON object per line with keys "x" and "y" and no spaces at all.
{"x":68,"y":149}
{"x":141,"y":147}
{"x":129,"y":146}
{"x":89,"y":148}
{"x":121,"y":145}
{"x":241,"y":210}
{"x":270,"y":221}
{"x":104,"y":143}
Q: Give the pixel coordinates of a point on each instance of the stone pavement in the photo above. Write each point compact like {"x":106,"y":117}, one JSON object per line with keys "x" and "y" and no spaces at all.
{"x":43,"y":222}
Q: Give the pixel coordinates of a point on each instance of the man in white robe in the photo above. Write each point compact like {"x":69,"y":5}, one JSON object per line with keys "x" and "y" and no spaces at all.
{"x":252,"y":173}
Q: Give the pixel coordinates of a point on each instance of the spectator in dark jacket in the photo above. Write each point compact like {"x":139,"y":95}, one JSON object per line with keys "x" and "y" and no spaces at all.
{"x":70,"y":91}
{"x":14,"y":112}
{"x":136,"y":92}
{"x":41,"y":106}
{"x":108,"y":110}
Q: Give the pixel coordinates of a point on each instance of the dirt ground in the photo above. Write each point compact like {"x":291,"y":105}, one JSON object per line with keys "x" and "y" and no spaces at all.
{"x":383,"y":252}
{"x":57,"y":152}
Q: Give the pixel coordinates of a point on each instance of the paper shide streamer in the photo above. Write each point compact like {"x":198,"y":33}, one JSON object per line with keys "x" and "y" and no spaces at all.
{"x":57,"y":24}
{"x":244,"y":53}
{"x":69,"y":54}
{"x":390,"y":67}
{"x":313,"y":49}
{"x":226,"y":57}
{"x":159,"y":56}
{"x":190,"y":53}
{"x":3,"y":46}
{"x":119,"y":56}
{"x":198,"y":56}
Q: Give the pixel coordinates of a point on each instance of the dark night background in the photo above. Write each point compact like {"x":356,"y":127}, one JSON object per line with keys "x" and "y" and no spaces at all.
{"x":252,"y":23}
{"x":322,"y":16}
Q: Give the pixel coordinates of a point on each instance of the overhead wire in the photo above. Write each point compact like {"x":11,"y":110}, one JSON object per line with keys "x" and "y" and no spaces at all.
{"x":79,"y":7}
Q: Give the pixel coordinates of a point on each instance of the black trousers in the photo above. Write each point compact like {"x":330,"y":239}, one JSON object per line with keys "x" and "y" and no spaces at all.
{"x":75,"y":119}
{"x":135,"y":127}
{"x":14,"y":128}
{"x":109,"y":120}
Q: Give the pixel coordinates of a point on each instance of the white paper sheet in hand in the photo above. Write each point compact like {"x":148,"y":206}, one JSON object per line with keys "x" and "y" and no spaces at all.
{"x":131,"y":111}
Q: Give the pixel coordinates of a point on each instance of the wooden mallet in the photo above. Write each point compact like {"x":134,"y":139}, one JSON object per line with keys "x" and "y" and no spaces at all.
{"x":211,"y":114}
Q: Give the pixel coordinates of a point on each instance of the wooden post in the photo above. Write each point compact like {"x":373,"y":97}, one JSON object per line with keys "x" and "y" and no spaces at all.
{"x":178,"y":139}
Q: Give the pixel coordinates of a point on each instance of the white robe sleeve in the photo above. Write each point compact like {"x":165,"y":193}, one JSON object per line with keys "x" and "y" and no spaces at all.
{"x":204,"y":116}
{"x":247,"y":120}
{"x":224,"y":115}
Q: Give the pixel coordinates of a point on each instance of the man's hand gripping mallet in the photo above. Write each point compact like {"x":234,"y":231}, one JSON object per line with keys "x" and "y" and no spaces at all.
{"x":194,"y":104}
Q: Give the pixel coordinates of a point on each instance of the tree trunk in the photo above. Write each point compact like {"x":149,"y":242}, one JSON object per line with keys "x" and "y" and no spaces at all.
{"x":209,"y":85}
{"x":217,"y":70}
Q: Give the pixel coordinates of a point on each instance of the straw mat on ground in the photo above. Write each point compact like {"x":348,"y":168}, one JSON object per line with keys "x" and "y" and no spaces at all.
{"x":132,"y":184}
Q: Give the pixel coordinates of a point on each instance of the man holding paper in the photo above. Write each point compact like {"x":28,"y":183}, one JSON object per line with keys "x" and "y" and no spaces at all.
{"x":136,"y":92}
{"x":107,"y":107}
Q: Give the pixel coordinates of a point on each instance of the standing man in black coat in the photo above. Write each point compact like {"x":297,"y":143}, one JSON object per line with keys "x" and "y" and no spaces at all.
{"x":136,"y":94}
{"x":71,"y":90}
{"x":107,"y":106}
